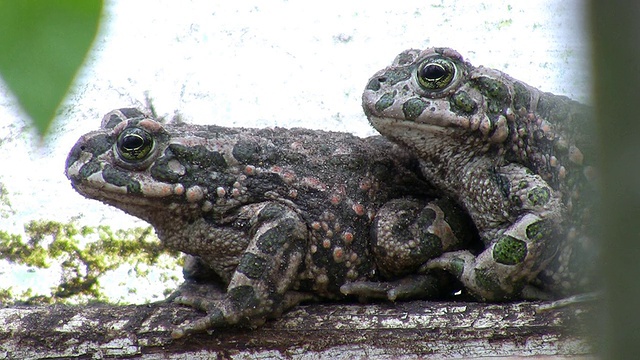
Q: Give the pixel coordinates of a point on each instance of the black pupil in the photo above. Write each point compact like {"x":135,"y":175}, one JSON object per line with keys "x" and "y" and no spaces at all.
{"x":132,"y":142}
{"x":433,"y":72}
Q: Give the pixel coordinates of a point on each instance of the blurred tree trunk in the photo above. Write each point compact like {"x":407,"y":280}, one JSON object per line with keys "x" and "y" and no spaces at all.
{"x":615,"y":28}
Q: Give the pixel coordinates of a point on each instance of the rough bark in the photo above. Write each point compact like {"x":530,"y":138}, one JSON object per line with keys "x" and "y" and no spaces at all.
{"x":418,"y":329}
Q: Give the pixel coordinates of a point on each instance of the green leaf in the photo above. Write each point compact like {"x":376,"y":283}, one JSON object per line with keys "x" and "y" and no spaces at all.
{"x":42,"y":45}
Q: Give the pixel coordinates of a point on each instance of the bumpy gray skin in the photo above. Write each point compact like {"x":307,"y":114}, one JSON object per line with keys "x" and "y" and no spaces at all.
{"x":519,"y":160}
{"x":278,"y":215}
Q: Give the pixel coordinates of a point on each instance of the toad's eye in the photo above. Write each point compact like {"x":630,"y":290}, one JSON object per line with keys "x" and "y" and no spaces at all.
{"x":134,"y":144}
{"x":435,"y":74}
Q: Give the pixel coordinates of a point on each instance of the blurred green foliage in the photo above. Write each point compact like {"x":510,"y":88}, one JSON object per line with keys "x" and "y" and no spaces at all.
{"x":85,"y":254}
{"x":42,"y":46}
{"x":5,"y":205}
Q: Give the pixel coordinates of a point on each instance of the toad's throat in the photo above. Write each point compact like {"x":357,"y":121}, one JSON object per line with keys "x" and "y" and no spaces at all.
{"x":387,"y":125}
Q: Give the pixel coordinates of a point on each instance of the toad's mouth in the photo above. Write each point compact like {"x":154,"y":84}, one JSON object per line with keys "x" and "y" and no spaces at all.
{"x":95,"y":187}
{"x":137,"y":192}
{"x":438,"y":115}
{"x":441,"y":125}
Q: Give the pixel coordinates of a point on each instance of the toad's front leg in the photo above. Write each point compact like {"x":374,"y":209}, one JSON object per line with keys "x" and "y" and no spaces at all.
{"x":515,"y":251}
{"x":260,"y":286}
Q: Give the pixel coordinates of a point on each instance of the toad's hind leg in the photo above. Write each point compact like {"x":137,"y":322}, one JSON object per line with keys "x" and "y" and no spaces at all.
{"x":406,"y":233}
{"x":260,"y":287}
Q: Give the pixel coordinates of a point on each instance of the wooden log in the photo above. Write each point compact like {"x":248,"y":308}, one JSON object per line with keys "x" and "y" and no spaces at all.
{"x":416,"y":329}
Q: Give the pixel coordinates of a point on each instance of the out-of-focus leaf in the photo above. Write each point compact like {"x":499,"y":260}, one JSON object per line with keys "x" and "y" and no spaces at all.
{"x":42,"y":45}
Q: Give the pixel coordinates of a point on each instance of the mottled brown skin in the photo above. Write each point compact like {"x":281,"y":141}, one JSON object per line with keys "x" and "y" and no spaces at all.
{"x":519,"y":160}
{"x":278,"y":215}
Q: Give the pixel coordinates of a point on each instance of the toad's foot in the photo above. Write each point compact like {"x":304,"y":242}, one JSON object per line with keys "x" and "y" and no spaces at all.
{"x":568,"y":301}
{"x":220,"y":313}
{"x":428,"y":286}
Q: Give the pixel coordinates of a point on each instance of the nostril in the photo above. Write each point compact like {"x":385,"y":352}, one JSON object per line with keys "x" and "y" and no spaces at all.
{"x":382,"y":79}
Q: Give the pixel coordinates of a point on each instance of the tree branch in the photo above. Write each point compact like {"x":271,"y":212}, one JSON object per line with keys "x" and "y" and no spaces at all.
{"x":407,"y":329}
